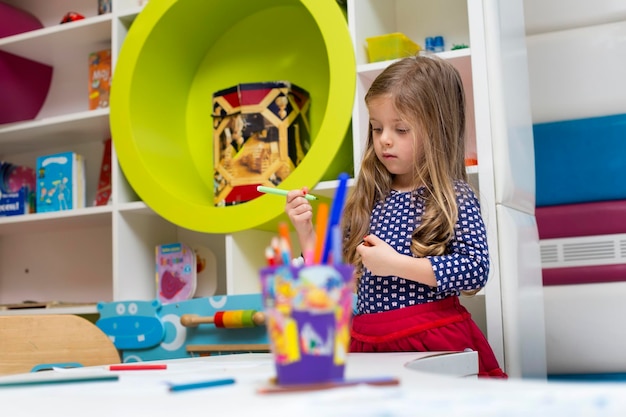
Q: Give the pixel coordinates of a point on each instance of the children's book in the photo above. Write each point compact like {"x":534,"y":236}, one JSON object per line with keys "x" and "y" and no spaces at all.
{"x":17,"y":189}
{"x":14,"y":203}
{"x":99,"y":79}
{"x":176,"y":272}
{"x":103,"y":194}
{"x":60,"y":182}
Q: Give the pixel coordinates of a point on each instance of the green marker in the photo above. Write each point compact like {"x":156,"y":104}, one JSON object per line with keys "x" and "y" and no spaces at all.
{"x":278,"y":191}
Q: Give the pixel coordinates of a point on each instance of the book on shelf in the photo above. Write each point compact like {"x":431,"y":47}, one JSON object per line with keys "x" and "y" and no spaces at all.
{"x":17,"y":189}
{"x":176,"y":272}
{"x":99,"y":79}
{"x":103,"y":193}
{"x":60,"y":182}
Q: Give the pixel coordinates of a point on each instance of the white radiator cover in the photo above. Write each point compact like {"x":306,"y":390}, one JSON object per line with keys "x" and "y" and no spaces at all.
{"x":583,"y":251}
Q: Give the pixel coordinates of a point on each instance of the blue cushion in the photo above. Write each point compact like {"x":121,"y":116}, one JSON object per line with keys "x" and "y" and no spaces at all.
{"x":580,"y":160}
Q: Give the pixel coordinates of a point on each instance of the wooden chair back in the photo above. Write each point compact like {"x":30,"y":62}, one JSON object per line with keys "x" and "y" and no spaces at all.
{"x":34,"y":340}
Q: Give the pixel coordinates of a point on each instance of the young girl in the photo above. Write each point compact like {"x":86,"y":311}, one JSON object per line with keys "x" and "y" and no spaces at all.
{"x":412,"y":224}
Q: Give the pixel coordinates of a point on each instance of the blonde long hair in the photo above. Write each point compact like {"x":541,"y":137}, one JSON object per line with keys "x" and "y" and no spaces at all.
{"x":428,"y":95}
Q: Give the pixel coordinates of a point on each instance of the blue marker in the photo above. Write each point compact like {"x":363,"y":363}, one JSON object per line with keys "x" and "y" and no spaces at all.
{"x":335,"y":214}
{"x":337,"y":245}
{"x":202,"y":384}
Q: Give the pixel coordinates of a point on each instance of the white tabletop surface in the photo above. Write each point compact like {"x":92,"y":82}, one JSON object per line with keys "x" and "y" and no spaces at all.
{"x":420,"y":393}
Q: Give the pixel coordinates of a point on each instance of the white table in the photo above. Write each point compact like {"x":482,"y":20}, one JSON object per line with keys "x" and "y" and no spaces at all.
{"x":420,"y":392}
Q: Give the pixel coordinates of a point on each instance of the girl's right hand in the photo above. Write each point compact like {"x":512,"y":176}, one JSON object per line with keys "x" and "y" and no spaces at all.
{"x":300,"y":213}
{"x":298,"y":209}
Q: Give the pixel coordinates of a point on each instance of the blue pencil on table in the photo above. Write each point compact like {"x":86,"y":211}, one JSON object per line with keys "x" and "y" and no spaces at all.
{"x":335,"y":214}
{"x":201,"y":384}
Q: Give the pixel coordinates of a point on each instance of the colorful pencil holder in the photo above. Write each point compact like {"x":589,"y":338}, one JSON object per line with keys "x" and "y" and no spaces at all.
{"x":308,"y":312}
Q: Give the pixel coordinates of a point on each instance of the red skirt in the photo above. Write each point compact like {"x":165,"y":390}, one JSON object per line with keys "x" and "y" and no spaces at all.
{"x":444,"y":325}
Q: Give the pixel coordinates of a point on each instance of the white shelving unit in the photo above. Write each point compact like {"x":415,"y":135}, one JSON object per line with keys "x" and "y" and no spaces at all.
{"x":58,"y":256}
{"x":107,"y":253}
{"x":101,"y":253}
{"x":509,"y":309}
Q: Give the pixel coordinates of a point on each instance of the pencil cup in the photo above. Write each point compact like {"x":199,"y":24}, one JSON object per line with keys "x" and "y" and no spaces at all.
{"x":308,"y":312}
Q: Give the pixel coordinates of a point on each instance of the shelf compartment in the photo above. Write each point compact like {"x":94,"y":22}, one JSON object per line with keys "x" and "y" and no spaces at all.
{"x":415,"y":19}
{"x":66,"y":48}
{"x":57,"y":131}
{"x":47,"y":44}
{"x":366,"y":73}
{"x":62,"y":257}
{"x":56,"y":222}
{"x":181,"y":137}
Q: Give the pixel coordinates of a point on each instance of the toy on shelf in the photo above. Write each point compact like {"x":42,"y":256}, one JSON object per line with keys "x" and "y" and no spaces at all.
{"x":71,"y":17}
{"x":234,"y":319}
{"x":105,"y":6}
{"x":390,"y":46}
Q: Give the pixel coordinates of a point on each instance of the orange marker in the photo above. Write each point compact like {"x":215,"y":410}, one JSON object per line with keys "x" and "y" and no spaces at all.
{"x":320,"y":231}
{"x":285,"y":244}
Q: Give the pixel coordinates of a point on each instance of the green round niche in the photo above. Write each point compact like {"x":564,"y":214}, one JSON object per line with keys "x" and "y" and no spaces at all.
{"x":178,"y":53}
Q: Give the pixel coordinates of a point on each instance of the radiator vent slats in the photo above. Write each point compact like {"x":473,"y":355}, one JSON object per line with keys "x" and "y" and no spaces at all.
{"x":583,"y":251}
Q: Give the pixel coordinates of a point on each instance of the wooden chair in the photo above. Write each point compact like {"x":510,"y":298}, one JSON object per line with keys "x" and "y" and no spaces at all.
{"x":40,"y":341}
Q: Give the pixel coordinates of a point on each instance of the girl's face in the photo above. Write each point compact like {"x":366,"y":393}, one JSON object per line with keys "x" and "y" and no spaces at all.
{"x":394,"y":142}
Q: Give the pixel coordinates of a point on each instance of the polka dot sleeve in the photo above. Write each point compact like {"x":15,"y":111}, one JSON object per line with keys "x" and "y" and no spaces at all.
{"x":466,"y":267}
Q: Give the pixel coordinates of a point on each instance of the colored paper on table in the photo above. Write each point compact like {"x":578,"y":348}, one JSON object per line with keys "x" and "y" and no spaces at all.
{"x":50,"y":377}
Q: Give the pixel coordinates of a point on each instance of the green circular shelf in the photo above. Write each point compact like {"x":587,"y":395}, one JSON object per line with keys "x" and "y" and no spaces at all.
{"x":178,"y":53}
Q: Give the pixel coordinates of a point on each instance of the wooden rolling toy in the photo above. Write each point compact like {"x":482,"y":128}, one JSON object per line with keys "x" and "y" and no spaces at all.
{"x":233,"y":319}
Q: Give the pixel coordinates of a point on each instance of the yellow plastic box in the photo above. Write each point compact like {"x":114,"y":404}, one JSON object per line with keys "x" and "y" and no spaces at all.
{"x":390,"y":46}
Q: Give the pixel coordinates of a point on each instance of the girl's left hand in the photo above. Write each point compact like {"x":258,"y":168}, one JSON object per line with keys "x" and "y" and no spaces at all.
{"x":377,"y":255}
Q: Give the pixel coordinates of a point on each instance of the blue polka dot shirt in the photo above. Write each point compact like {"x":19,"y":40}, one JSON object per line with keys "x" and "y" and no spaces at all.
{"x":465,"y":266}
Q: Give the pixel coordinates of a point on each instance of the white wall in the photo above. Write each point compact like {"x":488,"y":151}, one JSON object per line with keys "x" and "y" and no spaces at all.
{"x":576,"y":59}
